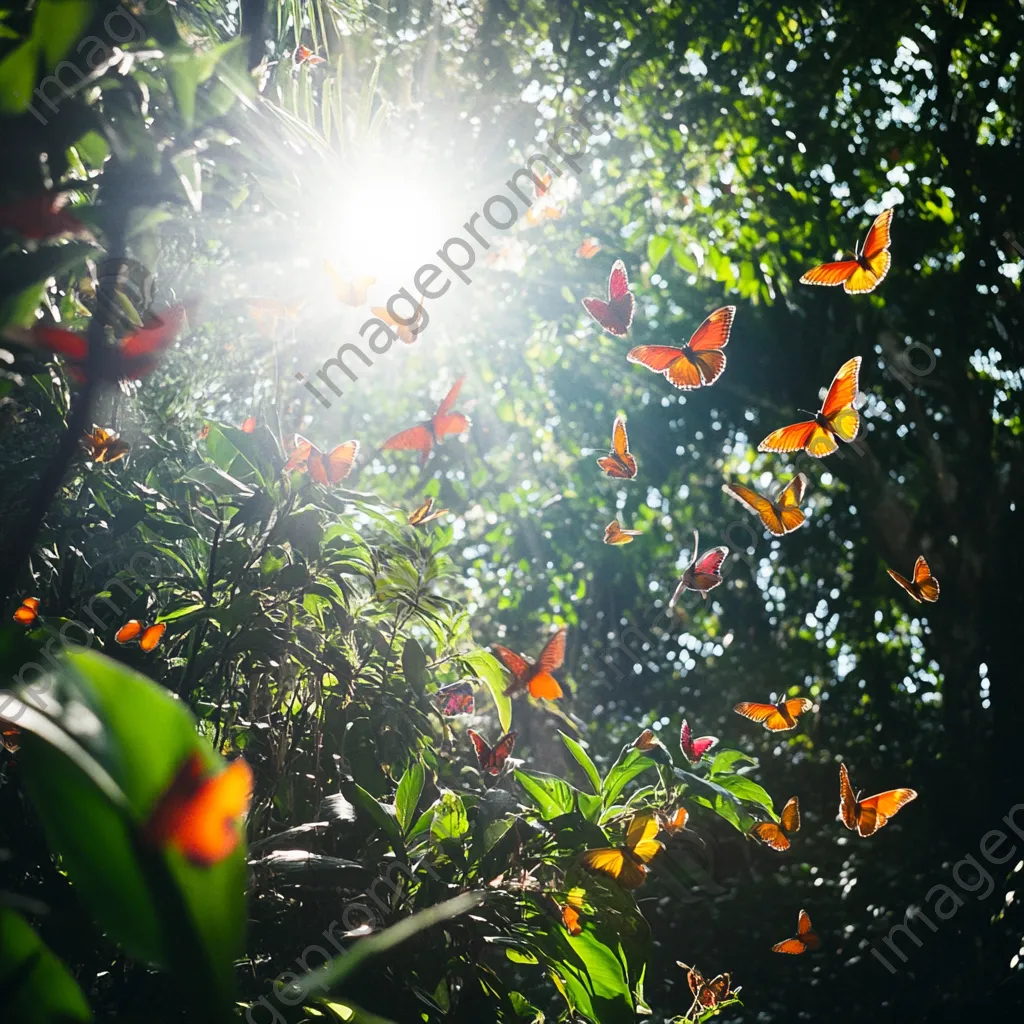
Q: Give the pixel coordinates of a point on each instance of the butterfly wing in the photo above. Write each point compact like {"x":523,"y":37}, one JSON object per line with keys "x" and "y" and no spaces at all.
{"x":484,"y":751}
{"x":571,"y":920}
{"x":771,"y":835}
{"x":705,"y":573}
{"x":616,"y":314}
{"x":905,"y":584}
{"x":796,"y":437}
{"x":790,"y":515}
{"x":713,"y":334}
{"x":924,"y":582}
{"x":418,"y":438}
{"x":838,"y":405}
{"x":27,"y":612}
{"x":615,"y":534}
{"x":613,"y":862}
{"x":589,"y":248}
{"x":449,"y":400}
{"x":867,"y":279}
{"x":152,"y":635}
{"x":829,"y":274}
{"x":677,"y":822}
{"x":758,"y":504}
{"x":796,"y":706}
{"x":337,"y":464}
{"x":878,"y":238}
{"x":128,"y":632}
{"x":517,"y":665}
{"x":847,"y":801}
{"x":790,"y":817}
{"x":875,"y":811}
{"x":673,"y":363}
{"x":456,"y":699}
{"x":60,"y":342}
{"x":767,"y":715}
{"x":419,"y":514}
{"x":710,"y":365}
{"x":701,"y":745}
{"x":248,"y":425}
{"x":794,"y":946}
{"x":553,"y":654}
{"x":618,"y":283}
{"x":300,"y":454}
{"x":640,"y":834}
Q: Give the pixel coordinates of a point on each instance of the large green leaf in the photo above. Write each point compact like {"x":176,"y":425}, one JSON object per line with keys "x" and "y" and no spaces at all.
{"x":551,"y":795}
{"x":450,"y":820}
{"x":35,"y":987}
{"x":583,"y":760}
{"x":631,"y":763}
{"x":409,"y":789}
{"x":485,"y":666}
{"x":717,"y":798}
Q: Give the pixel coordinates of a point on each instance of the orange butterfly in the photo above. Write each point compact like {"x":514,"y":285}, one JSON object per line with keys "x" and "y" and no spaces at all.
{"x":588,"y":249}
{"x":248,"y":425}
{"x":781,"y":516}
{"x":867,"y":816}
{"x":925,"y":586}
{"x":406,"y":332}
{"x":675,"y":822}
{"x":775,"y":835}
{"x":647,"y":741}
{"x":41,"y":216}
{"x":627,"y":864}
{"x":133,"y":357}
{"x":571,"y":911}
{"x":351,"y":293}
{"x":148,"y":636}
{"x":535,"y":676}
{"x":706,"y":994}
{"x":779,"y":717}
{"x":325,"y":468}
{"x":423,"y":437}
{"x":198,"y":813}
{"x":619,"y":463}
{"x":837,"y":419}
{"x":9,"y":736}
{"x":699,"y":362}
{"x":422,"y":515}
{"x":27,"y":612}
{"x":615,"y":534}
{"x":866,"y":271}
{"x":303,"y":54}
{"x":105,"y":445}
{"x":806,"y":939}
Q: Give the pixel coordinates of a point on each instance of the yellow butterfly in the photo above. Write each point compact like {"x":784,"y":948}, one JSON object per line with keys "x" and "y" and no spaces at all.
{"x":781,"y":516}
{"x":627,"y":864}
{"x":351,"y":293}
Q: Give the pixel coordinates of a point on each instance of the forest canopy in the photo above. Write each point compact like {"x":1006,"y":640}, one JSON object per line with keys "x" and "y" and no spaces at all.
{"x":509,"y":511}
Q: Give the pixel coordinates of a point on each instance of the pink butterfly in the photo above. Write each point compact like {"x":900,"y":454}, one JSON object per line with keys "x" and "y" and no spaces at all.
{"x":702,"y":574}
{"x":694,"y":749}
{"x":616,"y":314}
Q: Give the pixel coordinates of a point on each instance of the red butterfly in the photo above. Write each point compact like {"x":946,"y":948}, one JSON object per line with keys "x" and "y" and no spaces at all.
{"x":492,"y":759}
{"x":694,"y":749}
{"x":616,"y":314}
{"x":535,"y":676}
{"x":703,"y":574}
{"x":699,"y":362}
{"x":135,"y":355}
{"x":324,"y":468}
{"x":198,"y":814}
{"x":837,"y":418}
{"x":456,"y":699}
{"x":41,"y":216}
{"x":866,"y":271}
{"x":423,"y":437}
{"x":304,"y":54}
{"x":619,"y":462}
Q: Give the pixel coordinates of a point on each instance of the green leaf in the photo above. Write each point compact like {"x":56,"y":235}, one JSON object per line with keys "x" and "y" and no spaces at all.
{"x":380,"y":815}
{"x":717,"y":798}
{"x":726,"y":760}
{"x":583,"y":759}
{"x":551,"y":795}
{"x":409,"y":789}
{"x":58,"y":24}
{"x":450,"y":820}
{"x":746,"y":789}
{"x":188,"y":70}
{"x":485,"y":666}
{"x":657,"y":247}
{"x":35,"y":986}
{"x":414,"y":665}
{"x":631,"y":763}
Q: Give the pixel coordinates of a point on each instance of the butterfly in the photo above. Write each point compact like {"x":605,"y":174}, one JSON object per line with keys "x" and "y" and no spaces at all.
{"x":867,"y":816}
{"x":588,"y":248}
{"x":616,"y":313}
{"x":706,"y":994}
{"x":675,"y":822}
{"x":615,"y":534}
{"x":303,"y":54}
{"x":925,"y":586}
{"x":627,"y":864}
{"x":702,"y":574}
{"x":456,"y":699}
{"x":27,"y":612}
{"x":198,"y":813}
{"x":248,"y":425}
{"x":422,"y":515}
{"x":423,"y":437}
{"x":407,"y":332}
{"x":837,"y":419}
{"x":870,"y":263}
{"x":535,"y":676}
{"x":9,"y":734}
{"x":148,"y":636}
{"x":781,"y":516}
{"x":806,"y":939}
{"x":647,"y":741}
{"x":324,"y":467}
{"x":133,"y":357}
{"x":775,"y":835}
{"x":619,"y":463}
{"x":492,"y":759}
{"x":105,"y":445}
{"x":700,"y":362}
{"x":41,"y":216}
{"x":351,"y":293}
{"x":779,"y":717}
{"x":694,"y":749}
{"x":570,"y":911}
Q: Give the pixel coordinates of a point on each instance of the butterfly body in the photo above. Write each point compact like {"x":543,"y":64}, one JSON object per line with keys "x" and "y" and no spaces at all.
{"x":703,"y":573}
{"x":534,"y":677}
{"x":779,"y":717}
{"x":923,"y":587}
{"x":698,"y":363}
{"x":627,"y":864}
{"x":614,"y":314}
{"x":866,"y":816}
